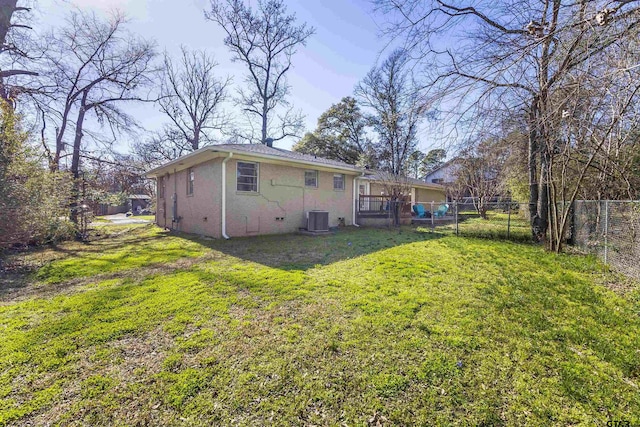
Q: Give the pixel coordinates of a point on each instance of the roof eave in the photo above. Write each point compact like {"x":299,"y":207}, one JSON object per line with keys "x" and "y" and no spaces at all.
{"x":153,"y":173}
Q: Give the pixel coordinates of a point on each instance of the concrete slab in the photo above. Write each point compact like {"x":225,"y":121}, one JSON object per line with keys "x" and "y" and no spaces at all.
{"x":121,"y":219}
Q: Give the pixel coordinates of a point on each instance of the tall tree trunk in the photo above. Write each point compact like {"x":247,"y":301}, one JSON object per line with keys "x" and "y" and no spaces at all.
{"x":75,"y":161}
{"x":7,"y":7}
{"x":265,"y":103}
{"x":542,"y":223}
{"x":533,"y":151}
{"x":195,"y":142}
{"x":264,"y":121}
{"x":55,"y":163}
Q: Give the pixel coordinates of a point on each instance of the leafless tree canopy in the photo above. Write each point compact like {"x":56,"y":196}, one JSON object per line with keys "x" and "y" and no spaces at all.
{"x":265,"y":40}
{"x":389,"y":91}
{"x":478,"y":172}
{"x":191,"y":97}
{"x":93,"y":66}
{"x":532,"y":60}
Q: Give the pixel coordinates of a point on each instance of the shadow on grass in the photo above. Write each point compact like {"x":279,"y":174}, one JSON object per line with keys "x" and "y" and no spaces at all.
{"x":301,"y":252}
{"x":87,"y":249}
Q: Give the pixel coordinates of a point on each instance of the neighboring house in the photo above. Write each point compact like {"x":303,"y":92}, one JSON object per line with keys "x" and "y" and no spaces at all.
{"x":235,"y":190}
{"x":139,"y":202}
{"x":373,"y":183}
{"x":444,"y":174}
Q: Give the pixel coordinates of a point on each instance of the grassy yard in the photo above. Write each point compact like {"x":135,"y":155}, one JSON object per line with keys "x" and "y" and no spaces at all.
{"x":143,"y":327}
{"x":100,"y":219}
{"x":498,"y":225}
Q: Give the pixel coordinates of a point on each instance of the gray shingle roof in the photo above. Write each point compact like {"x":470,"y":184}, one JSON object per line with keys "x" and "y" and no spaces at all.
{"x":279,"y":152}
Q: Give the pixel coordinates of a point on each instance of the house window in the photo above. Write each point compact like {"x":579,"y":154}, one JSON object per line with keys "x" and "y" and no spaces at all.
{"x":190,"y":178}
{"x":161,"y":181}
{"x":311,"y":179}
{"x":338,"y":181}
{"x":438,"y":180}
{"x":247,"y":177}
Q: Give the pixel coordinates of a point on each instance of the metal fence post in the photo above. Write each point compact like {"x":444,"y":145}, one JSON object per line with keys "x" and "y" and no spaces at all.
{"x":606,"y":231}
{"x":509,"y":220}
{"x":457,"y":230}
{"x":432,"y":219}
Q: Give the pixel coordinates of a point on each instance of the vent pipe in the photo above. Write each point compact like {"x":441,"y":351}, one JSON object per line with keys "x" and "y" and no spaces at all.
{"x":268,"y":142}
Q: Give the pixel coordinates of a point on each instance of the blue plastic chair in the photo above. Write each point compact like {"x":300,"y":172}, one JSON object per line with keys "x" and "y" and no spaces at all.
{"x":441,"y":211}
{"x":419,"y":211}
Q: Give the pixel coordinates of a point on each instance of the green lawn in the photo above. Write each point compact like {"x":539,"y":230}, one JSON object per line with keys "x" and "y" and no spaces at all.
{"x":143,"y":327}
{"x":498,"y":225}
{"x":100,"y":219}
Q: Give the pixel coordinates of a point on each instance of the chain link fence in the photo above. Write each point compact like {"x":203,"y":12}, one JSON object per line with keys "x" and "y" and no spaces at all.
{"x":494,"y":220}
{"x":609,"y":229}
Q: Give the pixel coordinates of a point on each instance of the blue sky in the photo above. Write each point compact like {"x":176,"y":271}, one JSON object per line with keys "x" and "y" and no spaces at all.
{"x":346,"y":45}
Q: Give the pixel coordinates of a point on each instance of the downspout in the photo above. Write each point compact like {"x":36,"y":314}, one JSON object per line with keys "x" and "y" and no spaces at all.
{"x":224,"y":196}
{"x":355,"y":199}
{"x":174,"y":201}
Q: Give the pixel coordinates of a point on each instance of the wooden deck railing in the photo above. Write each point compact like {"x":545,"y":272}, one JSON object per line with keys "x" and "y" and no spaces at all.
{"x":371,"y":204}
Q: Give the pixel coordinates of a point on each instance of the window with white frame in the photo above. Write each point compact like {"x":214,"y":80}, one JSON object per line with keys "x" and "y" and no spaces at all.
{"x":247,"y":177}
{"x":338,"y":181}
{"x":190,"y":178}
{"x":311,"y":179}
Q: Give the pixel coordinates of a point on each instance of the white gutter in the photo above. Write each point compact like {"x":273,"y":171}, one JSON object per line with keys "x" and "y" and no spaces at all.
{"x":224,"y":196}
{"x":355,"y":199}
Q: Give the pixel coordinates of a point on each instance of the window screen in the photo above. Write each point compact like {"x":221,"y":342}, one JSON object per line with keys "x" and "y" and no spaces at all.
{"x":247,"y":176}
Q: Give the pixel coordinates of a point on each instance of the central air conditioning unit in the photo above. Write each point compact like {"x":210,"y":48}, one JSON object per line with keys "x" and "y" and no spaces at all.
{"x":318,"y":221}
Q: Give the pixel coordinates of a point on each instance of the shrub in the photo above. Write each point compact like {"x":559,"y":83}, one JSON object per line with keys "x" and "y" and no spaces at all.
{"x":33,"y":200}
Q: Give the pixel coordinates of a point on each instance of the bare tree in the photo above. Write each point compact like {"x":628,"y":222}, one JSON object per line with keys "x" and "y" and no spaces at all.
{"x":95,"y":67}
{"x":160,"y":147}
{"x":596,"y":131}
{"x":13,"y":49}
{"x":479,"y":171}
{"x":389,"y":91}
{"x":514,"y":57}
{"x":265,"y":40}
{"x":191,"y":96}
{"x":398,"y":188}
